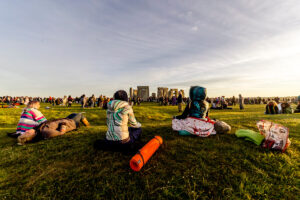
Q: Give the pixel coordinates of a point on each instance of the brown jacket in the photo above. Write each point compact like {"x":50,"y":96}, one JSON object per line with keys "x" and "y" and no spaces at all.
{"x":51,"y":128}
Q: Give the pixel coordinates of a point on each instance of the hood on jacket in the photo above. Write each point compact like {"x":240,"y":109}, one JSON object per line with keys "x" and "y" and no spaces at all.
{"x":197,"y":93}
{"x":115,"y":105}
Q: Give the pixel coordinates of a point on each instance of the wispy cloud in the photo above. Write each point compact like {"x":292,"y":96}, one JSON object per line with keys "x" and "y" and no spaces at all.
{"x":100,"y":46}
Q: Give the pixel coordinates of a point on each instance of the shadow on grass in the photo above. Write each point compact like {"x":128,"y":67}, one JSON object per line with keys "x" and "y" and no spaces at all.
{"x":184,"y":167}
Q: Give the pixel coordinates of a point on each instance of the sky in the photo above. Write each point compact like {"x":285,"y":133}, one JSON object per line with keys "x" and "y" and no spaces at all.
{"x":74,"y":47}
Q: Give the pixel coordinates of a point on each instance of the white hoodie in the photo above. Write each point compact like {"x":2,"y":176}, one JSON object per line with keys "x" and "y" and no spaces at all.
{"x":118,"y":114}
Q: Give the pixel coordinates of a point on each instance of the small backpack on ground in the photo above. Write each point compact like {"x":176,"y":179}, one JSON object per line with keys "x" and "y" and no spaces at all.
{"x":276,"y":135}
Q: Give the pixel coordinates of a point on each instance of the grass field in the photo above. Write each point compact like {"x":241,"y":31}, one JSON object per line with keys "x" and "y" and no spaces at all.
{"x":185,"y":167}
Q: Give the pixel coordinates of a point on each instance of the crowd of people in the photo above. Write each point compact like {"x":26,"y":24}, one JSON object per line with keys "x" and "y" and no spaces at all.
{"x":173,"y":100}
{"x":194,"y":120}
{"x":284,"y":107}
{"x":85,"y":101}
{"x":93,"y":101}
{"x":18,"y":100}
{"x":273,"y":105}
{"x":279,"y":105}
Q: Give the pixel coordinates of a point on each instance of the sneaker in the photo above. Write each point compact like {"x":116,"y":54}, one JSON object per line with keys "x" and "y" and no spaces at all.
{"x":14,"y":135}
{"x":85,"y":122}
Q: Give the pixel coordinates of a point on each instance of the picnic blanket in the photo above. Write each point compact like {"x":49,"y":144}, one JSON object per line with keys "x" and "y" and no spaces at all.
{"x":195,"y":126}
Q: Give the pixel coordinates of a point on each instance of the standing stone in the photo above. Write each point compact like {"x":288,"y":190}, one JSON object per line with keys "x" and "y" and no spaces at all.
{"x":170,"y":93}
{"x":131,"y":93}
{"x":135,"y":94}
{"x":162,"y":92}
{"x":173,"y":92}
{"x":165,"y":92}
{"x":143,"y":92}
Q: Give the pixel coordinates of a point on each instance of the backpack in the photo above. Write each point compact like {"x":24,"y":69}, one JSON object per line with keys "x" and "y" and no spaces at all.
{"x":276,"y":135}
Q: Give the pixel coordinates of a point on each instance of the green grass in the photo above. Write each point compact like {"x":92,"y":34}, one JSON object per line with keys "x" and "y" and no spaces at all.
{"x":185,"y":167}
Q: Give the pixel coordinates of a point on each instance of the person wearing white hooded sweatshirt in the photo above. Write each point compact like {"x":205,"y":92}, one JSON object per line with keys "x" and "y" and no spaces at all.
{"x":119,"y":136}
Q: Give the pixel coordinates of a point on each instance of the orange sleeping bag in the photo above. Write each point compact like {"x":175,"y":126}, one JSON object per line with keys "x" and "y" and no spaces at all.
{"x":143,"y":155}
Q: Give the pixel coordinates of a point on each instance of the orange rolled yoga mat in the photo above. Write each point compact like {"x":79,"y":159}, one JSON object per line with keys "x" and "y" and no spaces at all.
{"x":143,"y":155}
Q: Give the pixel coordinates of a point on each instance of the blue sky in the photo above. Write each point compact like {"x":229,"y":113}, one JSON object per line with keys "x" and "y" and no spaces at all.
{"x":97,"y":47}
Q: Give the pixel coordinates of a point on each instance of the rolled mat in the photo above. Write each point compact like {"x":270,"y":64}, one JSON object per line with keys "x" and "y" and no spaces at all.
{"x":250,"y":135}
{"x":145,"y":153}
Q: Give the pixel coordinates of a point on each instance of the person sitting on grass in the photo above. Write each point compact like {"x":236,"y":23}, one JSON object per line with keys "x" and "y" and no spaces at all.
{"x":120,"y":137}
{"x":53,"y":128}
{"x":298,"y":106}
{"x":215,"y":105}
{"x":224,"y":104}
{"x":198,"y":106}
{"x":286,"y":108}
{"x":272,"y":108}
{"x":194,"y":120}
{"x":30,"y":118}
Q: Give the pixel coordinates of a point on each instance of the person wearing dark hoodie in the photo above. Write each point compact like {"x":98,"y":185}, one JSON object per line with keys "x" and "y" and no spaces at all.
{"x":120,"y":137}
{"x":198,"y":106}
{"x":194,"y":120}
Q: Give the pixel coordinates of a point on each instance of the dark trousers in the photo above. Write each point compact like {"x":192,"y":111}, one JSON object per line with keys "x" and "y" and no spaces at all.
{"x":77,"y":117}
{"x":241,"y":106}
{"x":134,"y":134}
{"x":129,"y":146}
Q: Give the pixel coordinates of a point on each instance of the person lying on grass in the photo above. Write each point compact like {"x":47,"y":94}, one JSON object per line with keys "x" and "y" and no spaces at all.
{"x":194,"y":120}
{"x":30,"y":118}
{"x":120,"y":137}
{"x":53,"y":128}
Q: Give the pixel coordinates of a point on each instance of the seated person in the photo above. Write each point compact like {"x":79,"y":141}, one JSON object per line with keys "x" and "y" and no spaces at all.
{"x":197,"y":107}
{"x":53,"y":128}
{"x":30,"y":118}
{"x":194,"y":120}
{"x":298,"y":106}
{"x":215,"y":105}
{"x":225,"y":105}
{"x":286,"y":108}
{"x":118,"y":136}
{"x":272,"y":108}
